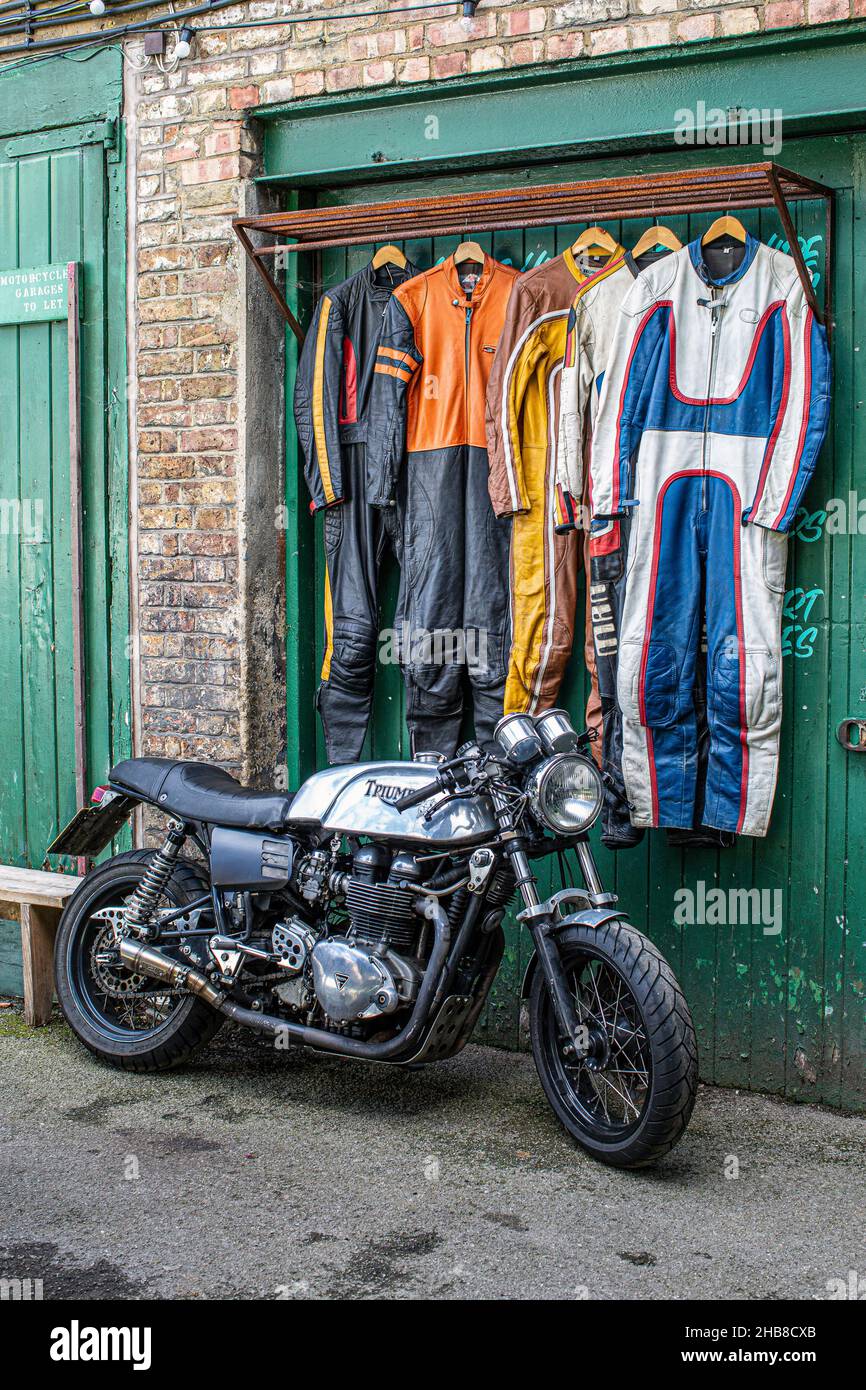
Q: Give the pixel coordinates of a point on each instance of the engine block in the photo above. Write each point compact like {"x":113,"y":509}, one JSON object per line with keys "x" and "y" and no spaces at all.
{"x":383,"y":914}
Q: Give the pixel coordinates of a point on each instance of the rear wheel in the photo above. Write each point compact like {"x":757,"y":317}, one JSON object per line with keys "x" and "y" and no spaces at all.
{"x":126,"y":1019}
{"x":630,"y":1099}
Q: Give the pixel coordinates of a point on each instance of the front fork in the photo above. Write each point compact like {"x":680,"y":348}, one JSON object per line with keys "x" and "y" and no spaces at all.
{"x":544,"y":921}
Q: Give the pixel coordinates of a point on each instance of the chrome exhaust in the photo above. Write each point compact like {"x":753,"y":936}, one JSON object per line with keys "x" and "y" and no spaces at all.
{"x":147,"y":960}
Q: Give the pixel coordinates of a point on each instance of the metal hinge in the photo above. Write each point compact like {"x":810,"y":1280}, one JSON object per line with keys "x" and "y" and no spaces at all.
{"x":65,"y":138}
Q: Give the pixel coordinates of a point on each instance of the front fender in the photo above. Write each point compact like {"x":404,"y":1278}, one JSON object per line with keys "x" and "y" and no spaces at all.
{"x":594,"y":917}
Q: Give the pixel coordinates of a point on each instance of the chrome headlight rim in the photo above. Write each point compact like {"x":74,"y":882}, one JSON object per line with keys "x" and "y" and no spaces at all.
{"x":556,"y":732}
{"x":517,"y":739}
{"x":538,"y":788}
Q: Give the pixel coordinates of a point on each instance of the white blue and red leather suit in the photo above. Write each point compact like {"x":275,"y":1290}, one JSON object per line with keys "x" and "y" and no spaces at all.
{"x":714,"y":405}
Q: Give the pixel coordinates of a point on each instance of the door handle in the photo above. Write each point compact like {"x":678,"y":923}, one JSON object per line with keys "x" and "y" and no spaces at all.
{"x":857,"y":728}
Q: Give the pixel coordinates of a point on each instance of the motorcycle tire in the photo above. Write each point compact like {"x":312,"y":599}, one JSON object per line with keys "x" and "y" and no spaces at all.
{"x":629,"y":1101}
{"x":99,"y":998}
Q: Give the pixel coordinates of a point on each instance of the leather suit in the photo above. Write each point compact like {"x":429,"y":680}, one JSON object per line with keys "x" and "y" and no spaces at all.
{"x":523,"y":400}
{"x":427,"y":407}
{"x":332,"y":393}
{"x":591,"y":325}
{"x":713,"y":409}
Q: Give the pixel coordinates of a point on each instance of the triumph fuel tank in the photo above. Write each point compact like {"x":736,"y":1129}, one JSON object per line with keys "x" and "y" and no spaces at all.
{"x":359,"y":800}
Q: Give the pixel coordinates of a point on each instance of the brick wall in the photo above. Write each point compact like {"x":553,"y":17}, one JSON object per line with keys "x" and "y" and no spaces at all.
{"x":210,"y":677}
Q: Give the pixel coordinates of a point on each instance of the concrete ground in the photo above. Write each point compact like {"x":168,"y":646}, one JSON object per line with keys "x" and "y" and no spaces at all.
{"x":254,"y":1173}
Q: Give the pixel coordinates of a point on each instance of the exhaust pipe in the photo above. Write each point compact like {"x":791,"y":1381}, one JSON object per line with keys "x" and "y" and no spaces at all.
{"x":147,"y":960}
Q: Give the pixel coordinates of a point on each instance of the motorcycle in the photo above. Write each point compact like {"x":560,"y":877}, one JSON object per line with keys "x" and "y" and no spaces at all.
{"x":363,"y":917}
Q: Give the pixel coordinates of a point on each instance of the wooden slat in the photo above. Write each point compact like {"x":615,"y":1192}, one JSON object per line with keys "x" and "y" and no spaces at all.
{"x":76,"y":547}
{"x":39,"y":418}
{"x":845,"y":785}
{"x":807,"y":690}
{"x":65,"y":210}
{"x":38,"y":929}
{"x":33,"y":886}
{"x":300,"y":553}
{"x":13,"y":838}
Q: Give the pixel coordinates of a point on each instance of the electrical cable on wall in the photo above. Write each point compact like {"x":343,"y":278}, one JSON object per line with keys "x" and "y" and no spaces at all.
{"x":33,"y":18}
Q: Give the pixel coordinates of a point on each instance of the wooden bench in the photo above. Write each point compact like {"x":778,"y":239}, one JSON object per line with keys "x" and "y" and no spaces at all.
{"x":36,"y":899}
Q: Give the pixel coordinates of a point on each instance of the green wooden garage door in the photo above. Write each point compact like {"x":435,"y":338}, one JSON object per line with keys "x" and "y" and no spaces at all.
{"x":61,"y":200}
{"x":780,"y":1012}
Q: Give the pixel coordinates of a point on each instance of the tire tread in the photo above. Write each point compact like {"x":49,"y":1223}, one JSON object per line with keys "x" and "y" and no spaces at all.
{"x":201,"y":1022}
{"x":670,"y":1033}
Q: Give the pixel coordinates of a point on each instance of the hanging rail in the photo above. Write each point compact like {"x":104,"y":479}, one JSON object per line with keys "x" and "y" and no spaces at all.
{"x":737,"y":187}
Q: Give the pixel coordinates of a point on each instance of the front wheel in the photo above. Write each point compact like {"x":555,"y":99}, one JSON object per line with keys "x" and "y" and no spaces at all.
{"x":630,"y":1099}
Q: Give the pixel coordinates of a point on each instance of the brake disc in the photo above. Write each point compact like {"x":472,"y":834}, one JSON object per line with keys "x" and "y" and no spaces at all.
{"x":109,"y":975}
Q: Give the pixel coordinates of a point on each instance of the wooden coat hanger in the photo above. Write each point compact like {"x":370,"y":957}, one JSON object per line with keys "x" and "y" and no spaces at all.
{"x":595,"y":239}
{"x":468,"y":251}
{"x":658,"y":235}
{"x":389,"y":255}
{"x":724,"y":226}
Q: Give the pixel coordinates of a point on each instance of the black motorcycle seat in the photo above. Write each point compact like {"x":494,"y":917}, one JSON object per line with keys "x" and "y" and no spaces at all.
{"x":200,"y":792}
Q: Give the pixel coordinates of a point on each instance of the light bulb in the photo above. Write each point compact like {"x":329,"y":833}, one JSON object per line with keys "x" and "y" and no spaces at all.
{"x":183,"y":47}
{"x":97,"y":7}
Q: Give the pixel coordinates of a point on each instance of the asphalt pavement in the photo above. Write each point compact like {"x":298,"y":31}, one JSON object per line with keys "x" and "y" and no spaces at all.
{"x":257,"y":1173}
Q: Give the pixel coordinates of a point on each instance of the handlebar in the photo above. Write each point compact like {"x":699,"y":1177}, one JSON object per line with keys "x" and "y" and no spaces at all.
{"x":484,"y":764}
{"x":447,"y":779}
{"x":410,"y":799}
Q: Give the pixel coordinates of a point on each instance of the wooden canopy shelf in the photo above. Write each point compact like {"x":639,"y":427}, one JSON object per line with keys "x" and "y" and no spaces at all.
{"x":592,"y":200}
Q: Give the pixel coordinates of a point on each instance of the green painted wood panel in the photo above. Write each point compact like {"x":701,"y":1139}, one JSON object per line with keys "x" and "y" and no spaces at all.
{"x":780,"y":1012}
{"x":11,"y":972}
{"x":574,"y":109}
{"x":63,"y":202}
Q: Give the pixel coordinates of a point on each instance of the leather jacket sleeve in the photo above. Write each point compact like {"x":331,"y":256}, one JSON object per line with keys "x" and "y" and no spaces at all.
{"x":801,"y":419}
{"x":574,"y":392}
{"x":517,"y":354}
{"x":616,"y":436}
{"x":398,"y":359}
{"x":317,"y":395}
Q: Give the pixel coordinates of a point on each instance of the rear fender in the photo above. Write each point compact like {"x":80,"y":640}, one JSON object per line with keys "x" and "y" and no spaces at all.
{"x":94,"y":827}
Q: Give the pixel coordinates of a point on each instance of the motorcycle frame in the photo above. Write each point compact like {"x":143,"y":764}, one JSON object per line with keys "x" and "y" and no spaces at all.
{"x":542,"y":917}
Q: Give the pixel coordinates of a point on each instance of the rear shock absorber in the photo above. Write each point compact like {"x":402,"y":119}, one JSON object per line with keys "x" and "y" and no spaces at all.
{"x":142,"y":904}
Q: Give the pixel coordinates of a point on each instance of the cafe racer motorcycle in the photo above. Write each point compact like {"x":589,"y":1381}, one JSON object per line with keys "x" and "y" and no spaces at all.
{"x":363,"y":917}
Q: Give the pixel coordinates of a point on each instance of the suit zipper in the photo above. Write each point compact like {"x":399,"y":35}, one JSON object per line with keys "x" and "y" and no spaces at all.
{"x":715,"y":312}
{"x":468,"y":360}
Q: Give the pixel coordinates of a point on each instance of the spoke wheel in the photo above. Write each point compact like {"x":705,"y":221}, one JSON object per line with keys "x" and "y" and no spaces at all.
{"x":118,"y":1001}
{"x":629,"y":1099}
{"x":124,"y":1017}
{"x":612,"y":1084}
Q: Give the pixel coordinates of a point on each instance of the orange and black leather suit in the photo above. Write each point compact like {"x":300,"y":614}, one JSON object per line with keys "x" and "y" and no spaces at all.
{"x":332,"y":396}
{"x":435,"y":355}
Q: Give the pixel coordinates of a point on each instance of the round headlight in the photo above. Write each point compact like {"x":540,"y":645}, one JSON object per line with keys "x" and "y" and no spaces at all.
{"x":565,"y":793}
